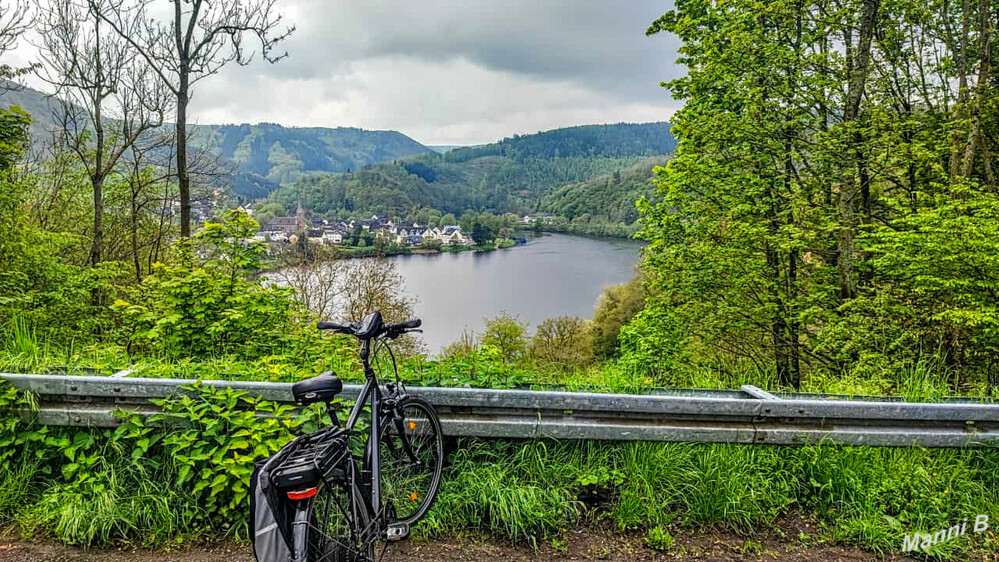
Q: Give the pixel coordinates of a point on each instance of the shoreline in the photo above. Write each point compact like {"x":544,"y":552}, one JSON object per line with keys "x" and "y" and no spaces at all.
{"x":353,"y":252}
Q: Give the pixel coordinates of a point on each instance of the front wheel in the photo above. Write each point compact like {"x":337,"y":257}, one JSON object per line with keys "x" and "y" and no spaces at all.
{"x":411,"y":449}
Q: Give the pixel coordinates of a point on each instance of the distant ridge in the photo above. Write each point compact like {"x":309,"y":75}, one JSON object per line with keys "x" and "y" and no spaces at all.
{"x":272,"y":153}
{"x":515,"y":174}
{"x":442,"y":148}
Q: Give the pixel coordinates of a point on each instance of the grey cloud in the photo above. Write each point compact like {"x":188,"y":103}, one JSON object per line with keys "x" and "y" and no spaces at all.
{"x":452,"y":71}
{"x":599,"y":42}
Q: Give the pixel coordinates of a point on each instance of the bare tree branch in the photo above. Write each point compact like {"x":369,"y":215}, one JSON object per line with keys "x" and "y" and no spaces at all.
{"x":107,"y":98}
{"x":199,"y":40}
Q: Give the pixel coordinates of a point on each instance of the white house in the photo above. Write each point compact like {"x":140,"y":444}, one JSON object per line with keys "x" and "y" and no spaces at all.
{"x":450,"y":234}
{"x":333,"y":237}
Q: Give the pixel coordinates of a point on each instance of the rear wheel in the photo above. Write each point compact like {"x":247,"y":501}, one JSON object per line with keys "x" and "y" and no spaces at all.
{"x":333,"y":535}
{"x":411,"y":449}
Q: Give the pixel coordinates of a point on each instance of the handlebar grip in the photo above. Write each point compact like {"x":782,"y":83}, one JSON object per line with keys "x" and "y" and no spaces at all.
{"x":332,"y":326}
{"x":395,"y":330}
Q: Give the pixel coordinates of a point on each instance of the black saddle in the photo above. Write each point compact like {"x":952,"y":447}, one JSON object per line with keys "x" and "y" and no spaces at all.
{"x":322,"y":388}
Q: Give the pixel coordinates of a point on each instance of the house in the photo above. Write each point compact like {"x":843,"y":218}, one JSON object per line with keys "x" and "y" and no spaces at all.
{"x":404,"y":230}
{"x":287,"y":225}
{"x":291,"y":225}
{"x":414,"y":240}
{"x":543,"y":218}
{"x":450,"y":235}
{"x":334,"y":234}
{"x":374,"y":223}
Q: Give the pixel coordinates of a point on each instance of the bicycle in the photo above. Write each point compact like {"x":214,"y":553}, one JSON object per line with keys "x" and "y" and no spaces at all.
{"x":326,"y":501}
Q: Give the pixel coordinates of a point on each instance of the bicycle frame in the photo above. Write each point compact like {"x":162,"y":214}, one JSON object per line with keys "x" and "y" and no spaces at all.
{"x":371,"y":464}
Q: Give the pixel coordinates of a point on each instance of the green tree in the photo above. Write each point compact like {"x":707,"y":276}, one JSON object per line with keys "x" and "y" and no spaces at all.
{"x":807,"y":126}
{"x":206,"y":304}
{"x":615,"y":308}
{"x":508,"y":335}
{"x":562,"y":342}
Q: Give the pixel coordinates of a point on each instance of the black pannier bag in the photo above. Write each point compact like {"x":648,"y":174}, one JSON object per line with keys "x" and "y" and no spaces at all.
{"x":271,"y":513}
{"x":299,"y":465}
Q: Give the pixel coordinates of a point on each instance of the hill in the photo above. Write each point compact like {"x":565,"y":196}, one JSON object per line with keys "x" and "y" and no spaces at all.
{"x":513,"y":175}
{"x":281,"y":154}
{"x":36,"y":103}
{"x":605,"y":204}
{"x":266,"y":154}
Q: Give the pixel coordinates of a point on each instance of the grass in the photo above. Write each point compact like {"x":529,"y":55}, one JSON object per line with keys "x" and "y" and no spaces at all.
{"x":110,"y":510}
{"x":867,"y":497}
{"x":16,"y":480}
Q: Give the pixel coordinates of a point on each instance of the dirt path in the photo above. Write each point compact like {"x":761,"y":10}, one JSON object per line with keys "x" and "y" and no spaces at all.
{"x":581,"y":545}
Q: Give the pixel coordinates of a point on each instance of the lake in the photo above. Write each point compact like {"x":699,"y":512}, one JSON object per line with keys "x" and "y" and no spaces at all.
{"x":552,"y":275}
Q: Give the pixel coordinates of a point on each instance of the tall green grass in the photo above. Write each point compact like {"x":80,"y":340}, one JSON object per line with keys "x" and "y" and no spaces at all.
{"x":108,"y":507}
{"x":16,"y":484}
{"x":868,"y":497}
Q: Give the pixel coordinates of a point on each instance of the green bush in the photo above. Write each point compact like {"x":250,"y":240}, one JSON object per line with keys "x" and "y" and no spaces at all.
{"x":507,"y":334}
{"x":185,"y":472}
{"x":204,"y":307}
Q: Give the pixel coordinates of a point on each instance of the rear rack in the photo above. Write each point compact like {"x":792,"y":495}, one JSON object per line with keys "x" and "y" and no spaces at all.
{"x":311,"y":458}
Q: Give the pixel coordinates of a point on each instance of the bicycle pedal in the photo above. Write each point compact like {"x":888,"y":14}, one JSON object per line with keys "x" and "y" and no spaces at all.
{"x":397,"y":532}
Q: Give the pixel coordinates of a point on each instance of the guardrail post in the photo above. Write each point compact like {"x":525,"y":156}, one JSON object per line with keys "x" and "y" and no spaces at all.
{"x":757,"y":392}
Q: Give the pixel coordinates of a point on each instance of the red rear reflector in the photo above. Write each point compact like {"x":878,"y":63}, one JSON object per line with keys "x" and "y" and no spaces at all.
{"x":303,"y":494}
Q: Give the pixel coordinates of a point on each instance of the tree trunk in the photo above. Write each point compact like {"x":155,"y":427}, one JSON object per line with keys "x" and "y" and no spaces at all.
{"x":183,"y":178}
{"x":974,"y":130}
{"x":962,"y":87}
{"x":858,"y":70}
{"x":778,"y":324}
{"x":97,"y":247}
{"x":793,"y":325}
{"x":97,"y":184}
{"x":134,"y":227}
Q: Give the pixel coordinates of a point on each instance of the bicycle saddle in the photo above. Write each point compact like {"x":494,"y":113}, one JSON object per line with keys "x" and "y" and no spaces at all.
{"x":322,"y":388}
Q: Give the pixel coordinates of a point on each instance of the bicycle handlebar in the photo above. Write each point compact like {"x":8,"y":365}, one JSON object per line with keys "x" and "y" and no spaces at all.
{"x":392,"y":330}
{"x":407,"y":325}
{"x":341,"y":328}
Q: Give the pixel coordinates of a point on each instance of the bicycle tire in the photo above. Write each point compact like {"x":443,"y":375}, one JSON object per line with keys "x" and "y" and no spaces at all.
{"x":409,"y":487}
{"x":333,"y":535}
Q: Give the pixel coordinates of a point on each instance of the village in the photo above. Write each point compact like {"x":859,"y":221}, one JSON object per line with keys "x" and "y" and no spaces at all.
{"x":381,"y":230}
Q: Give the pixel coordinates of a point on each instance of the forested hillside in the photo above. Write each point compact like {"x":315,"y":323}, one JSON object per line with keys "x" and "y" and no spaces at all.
{"x":266,"y":155}
{"x":604,"y":201}
{"x":281,"y":153}
{"x":619,"y":140}
{"x":515,"y":174}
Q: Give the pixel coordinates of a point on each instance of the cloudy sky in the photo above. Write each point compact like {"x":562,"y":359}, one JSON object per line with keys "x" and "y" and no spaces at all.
{"x":453,"y":71}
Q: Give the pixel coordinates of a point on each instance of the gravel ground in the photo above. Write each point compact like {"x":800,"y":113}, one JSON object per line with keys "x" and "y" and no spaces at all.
{"x":780,"y":544}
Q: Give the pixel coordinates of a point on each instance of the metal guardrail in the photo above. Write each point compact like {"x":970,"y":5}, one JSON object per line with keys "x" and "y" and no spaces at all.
{"x":747,"y":416}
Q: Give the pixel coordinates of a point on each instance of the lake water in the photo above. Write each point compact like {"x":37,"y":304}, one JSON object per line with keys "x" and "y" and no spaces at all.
{"x":551,"y":275}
